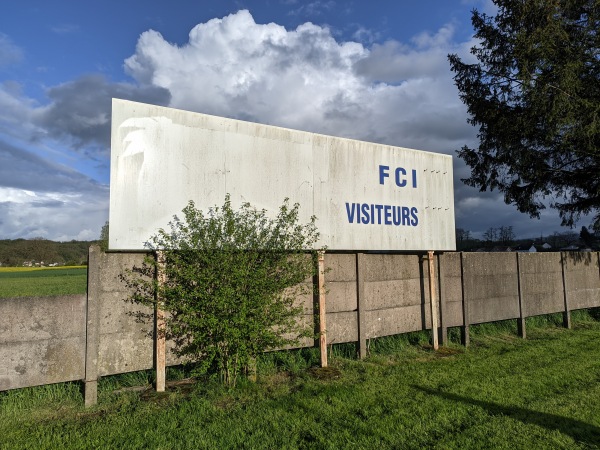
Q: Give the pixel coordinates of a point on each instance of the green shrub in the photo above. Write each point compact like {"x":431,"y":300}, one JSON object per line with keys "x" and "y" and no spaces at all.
{"x":233,"y":280}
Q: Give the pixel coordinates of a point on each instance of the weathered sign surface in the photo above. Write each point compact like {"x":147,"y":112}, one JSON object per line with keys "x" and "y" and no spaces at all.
{"x":365,"y":196}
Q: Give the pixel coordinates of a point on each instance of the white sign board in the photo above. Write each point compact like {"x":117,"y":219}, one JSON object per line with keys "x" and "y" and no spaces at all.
{"x":365,"y":196}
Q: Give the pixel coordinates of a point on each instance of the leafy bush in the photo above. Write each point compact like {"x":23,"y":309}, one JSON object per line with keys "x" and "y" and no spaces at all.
{"x":233,"y":283}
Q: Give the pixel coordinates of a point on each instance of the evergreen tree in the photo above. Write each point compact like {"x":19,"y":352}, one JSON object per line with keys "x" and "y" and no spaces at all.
{"x":534,"y":93}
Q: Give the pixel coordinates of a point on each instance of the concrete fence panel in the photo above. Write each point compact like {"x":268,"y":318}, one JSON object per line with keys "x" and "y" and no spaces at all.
{"x":342,"y":298}
{"x":307,"y":301}
{"x":124,"y":343}
{"x":450,"y":278}
{"x":396,"y":294}
{"x":541,"y":283}
{"x":42,"y":340}
{"x":582,"y":279}
{"x":491,"y":286}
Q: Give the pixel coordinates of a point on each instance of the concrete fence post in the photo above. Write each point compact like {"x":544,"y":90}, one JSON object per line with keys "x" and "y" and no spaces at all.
{"x":443,"y":294}
{"x":566,"y":312}
{"x":361,"y":305}
{"x":465,"y":338}
{"x":92,"y":326}
{"x":521,"y":320}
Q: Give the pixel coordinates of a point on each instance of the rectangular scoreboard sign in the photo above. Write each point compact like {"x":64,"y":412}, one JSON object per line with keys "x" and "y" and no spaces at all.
{"x":365,"y":196}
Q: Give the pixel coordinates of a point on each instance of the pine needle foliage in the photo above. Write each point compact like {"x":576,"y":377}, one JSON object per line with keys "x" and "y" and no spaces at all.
{"x":534,"y":94}
{"x":234,"y":284}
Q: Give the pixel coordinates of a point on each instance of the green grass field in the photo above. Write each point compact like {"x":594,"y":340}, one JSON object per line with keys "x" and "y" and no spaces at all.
{"x":35,"y":281}
{"x":502,"y":392}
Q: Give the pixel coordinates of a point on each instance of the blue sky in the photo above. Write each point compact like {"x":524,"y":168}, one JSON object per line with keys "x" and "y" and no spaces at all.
{"x":369,"y":70}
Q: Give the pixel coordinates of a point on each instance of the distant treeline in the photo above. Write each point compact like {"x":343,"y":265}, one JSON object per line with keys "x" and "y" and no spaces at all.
{"x":16,"y":252}
{"x":503,"y":238}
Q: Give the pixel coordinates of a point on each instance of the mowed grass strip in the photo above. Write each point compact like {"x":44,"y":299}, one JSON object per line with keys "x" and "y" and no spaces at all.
{"x":502,"y":392}
{"x":42,"y":281}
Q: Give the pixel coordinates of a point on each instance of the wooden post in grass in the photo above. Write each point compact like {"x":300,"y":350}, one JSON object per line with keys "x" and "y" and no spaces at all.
{"x":361,"y":305}
{"x":322,"y":310}
{"x":433,"y":300}
{"x":160,"y":327}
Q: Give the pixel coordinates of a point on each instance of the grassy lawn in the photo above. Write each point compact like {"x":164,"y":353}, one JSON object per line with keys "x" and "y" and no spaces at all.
{"x":36,"y":281}
{"x":502,"y":392}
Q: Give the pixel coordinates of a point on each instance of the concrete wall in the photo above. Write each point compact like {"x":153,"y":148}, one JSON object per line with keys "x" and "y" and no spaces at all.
{"x":55,"y":339}
{"x":541,"y":283}
{"x":451,"y":291}
{"x":490,"y":284}
{"x":342,"y":299}
{"x":42,"y":340}
{"x":396,"y":293}
{"x":581,"y":279}
{"x":120,"y":342}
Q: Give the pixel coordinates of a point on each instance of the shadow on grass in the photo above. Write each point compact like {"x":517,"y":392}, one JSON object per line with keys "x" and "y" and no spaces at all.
{"x":578,"y":430}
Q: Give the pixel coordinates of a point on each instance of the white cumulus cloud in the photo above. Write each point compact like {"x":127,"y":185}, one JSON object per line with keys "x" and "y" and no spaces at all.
{"x":235,"y":67}
{"x":395,"y":93}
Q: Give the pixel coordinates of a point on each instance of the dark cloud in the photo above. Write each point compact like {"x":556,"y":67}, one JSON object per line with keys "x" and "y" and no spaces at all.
{"x":81,"y":109}
{"x":478,"y":211}
{"x":440,"y":124}
{"x":395,"y":62}
{"x":22,"y":169}
{"x":48,"y":204}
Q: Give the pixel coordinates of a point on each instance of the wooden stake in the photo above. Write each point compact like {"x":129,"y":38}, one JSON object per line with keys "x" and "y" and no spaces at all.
{"x":160,"y":329}
{"x":433,"y":299}
{"x":322,"y":311}
{"x":361,"y":305}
